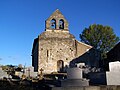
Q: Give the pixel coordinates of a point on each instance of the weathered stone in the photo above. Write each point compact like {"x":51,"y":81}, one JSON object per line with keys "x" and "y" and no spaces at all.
{"x":56,"y":47}
{"x":88,"y":88}
{"x":28,"y":72}
{"x":92,"y":88}
{"x":74,"y":73}
{"x":114,"y":66}
{"x":74,"y":78}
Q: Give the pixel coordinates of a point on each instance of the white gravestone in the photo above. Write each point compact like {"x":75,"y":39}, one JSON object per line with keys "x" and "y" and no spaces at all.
{"x":114,"y":66}
{"x":80,"y":65}
{"x":74,"y":78}
{"x":29,"y":71}
{"x":113,"y":76}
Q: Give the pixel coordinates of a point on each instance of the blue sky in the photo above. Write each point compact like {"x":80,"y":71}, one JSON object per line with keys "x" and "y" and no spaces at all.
{"x":21,"y":21}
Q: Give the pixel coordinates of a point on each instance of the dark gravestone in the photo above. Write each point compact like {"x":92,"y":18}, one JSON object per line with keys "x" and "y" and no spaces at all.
{"x":97,"y":78}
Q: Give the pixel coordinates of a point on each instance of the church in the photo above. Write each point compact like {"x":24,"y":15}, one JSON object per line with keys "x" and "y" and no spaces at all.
{"x":56,"y":47}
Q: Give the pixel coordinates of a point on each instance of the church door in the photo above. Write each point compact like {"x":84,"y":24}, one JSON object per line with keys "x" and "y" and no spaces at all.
{"x":60,"y":65}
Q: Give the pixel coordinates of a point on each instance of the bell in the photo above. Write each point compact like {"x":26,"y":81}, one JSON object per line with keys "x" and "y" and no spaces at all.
{"x":61,"y":27}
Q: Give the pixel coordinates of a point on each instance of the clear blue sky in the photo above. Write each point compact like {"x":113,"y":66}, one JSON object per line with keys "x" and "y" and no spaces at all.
{"x":21,"y":21}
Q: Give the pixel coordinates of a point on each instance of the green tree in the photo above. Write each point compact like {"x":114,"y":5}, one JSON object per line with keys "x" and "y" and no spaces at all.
{"x":100,"y":37}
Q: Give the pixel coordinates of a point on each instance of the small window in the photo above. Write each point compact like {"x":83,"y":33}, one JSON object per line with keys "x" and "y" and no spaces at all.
{"x":61,"y":24}
{"x":53,"y":24}
{"x":47,"y":53}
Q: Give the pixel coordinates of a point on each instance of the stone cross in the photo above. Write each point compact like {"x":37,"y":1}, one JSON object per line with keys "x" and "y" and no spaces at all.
{"x":28,"y":72}
{"x":41,"y":71}
{"x":41,"y":74}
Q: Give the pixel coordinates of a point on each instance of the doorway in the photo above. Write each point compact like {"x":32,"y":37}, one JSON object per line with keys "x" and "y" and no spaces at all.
{"x":60,"y":65}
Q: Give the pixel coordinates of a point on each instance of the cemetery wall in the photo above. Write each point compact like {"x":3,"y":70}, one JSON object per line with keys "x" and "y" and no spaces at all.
{"x":88,"y":88}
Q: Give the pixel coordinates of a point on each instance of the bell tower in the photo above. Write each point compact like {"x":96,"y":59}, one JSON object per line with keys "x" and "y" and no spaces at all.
{"x":56,"y":22}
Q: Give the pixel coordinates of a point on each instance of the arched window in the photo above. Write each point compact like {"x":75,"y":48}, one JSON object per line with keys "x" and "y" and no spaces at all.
{"x":53,"y":24}
{"x":61,"y":24}
{"x":60,"y":65}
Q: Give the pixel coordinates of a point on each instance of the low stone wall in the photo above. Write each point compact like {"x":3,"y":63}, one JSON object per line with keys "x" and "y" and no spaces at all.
{"x":88,"y":88}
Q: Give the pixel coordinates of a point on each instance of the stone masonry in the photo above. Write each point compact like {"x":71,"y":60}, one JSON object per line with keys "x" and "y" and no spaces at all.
{"x":56,"y":47}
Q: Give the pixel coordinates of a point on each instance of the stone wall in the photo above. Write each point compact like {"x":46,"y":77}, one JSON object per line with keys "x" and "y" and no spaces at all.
{"x":55,"y":45}
{"x":88,"y":88}
{"x":53,"y":49}
{"x":82,"y":48}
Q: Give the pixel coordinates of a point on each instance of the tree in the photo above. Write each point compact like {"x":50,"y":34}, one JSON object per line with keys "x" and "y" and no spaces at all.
{"x":100,"y":37}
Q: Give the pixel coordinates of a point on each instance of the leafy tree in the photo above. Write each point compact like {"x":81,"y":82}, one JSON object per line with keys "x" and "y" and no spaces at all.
{"x":100,"y":37}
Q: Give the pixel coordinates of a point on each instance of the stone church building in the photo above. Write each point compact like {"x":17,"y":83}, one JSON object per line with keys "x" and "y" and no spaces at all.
{"x":56,"y":46}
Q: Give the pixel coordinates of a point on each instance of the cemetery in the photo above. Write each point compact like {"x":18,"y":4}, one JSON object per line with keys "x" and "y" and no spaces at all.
{"x":73,"y":80}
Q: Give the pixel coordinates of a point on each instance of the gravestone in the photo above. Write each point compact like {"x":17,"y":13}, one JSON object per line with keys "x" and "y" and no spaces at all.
{"x":80,"y":65}
{"x":18,"y":73}
{"x":74,"y":78}
{"x":113,"y":76}
{"x":29,"y":72}
{"x":74,"y":73}
{"x":114,"y":66}
{"x":3,"y":74}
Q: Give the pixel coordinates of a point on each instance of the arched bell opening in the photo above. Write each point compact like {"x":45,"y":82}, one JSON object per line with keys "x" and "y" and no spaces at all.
{"x":53,"y":24}
{"x":61,"y":24}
